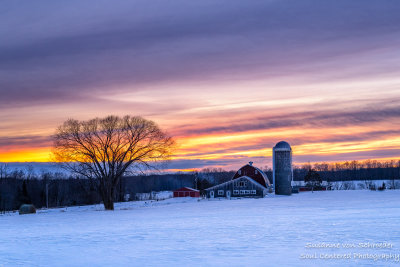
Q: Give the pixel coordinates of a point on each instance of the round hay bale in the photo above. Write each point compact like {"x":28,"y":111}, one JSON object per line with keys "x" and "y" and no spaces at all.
{"x":27,"y":209}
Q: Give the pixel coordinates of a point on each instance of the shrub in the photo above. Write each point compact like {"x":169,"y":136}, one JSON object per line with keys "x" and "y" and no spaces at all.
{"x":382,"y":188}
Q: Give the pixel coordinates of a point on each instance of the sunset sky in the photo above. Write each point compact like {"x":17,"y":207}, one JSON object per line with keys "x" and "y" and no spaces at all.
{"x":228,"y":79}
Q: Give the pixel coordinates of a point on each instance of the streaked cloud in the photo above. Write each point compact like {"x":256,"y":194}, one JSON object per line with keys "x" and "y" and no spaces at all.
{"x":228,"y":78}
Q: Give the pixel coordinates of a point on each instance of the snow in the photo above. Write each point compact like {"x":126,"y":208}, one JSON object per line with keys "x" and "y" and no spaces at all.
{"x":154,"y":195}
{"x":273,"y":231}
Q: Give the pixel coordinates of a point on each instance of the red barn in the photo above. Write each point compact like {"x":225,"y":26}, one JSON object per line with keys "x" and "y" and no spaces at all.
{"x":186,"y":192}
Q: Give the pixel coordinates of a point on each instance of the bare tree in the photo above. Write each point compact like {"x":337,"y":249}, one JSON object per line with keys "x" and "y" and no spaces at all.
{"x":3,"y":176}
{"x":104,"y":149}
{"x":3,"y":170}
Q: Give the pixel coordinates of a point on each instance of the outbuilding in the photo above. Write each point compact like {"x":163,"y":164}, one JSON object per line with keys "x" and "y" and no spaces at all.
{"x":186,"y":192}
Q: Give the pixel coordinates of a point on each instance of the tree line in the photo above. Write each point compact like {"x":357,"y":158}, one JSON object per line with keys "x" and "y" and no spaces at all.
{"x":57,"y":189}
{"x":19,"y":186}
{"x":351,"y":170}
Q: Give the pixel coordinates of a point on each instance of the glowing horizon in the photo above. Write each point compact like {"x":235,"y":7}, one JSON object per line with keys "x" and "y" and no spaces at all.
{"x":322,"y":76}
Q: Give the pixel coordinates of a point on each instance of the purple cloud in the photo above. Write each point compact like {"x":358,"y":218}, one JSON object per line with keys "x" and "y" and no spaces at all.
{"x":54,"y":52}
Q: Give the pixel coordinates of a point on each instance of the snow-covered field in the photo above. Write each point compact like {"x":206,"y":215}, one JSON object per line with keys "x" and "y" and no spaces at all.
{"x":274,"y":231}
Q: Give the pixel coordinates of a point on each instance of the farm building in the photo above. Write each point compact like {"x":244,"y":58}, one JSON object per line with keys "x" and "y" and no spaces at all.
{"x":282,"y":168}
{"x":248,"y":181}
{"x":186,"y":192}
{"x":253,"y":172}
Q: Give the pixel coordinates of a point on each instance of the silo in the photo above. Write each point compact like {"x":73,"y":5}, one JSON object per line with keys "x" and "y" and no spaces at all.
{"x":282,"y":168}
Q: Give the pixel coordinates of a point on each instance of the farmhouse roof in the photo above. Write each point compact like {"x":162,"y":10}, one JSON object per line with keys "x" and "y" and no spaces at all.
{"x":231,"y":181}
{"x":186,"y":189}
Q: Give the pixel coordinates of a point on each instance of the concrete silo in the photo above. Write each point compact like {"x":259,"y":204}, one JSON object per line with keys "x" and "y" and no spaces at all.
{"x":282,"y":168}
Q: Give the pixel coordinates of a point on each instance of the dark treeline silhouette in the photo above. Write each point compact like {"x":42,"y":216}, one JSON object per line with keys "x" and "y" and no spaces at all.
{"x":351,"y":170}
{"x":211,"y":176}
{"x":18,"y":187}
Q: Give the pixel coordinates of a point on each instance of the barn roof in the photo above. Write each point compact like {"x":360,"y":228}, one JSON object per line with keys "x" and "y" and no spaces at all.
{"x":186,"y":189}
{"x":254,"y":173}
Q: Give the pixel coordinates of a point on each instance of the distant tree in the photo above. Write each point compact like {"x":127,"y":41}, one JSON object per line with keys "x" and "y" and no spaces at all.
{"x":23,"y":196}
{"x":313,"y":178}
{"x":104,"y":149}
{"x":202,"y":184}
{"x":3,"y":175}
{"x":3,"y":170}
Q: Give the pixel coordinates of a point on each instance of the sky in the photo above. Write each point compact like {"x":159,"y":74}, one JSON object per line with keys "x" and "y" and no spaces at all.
{"x":228,"y":79}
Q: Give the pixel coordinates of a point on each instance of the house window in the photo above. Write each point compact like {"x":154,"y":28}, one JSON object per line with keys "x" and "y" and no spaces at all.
{"x":242,"y":192}
{"x":256,"y":172}
{"x":236,"y":192}
{"x":253,"y":192}
{"x":239,"y":172}
{"x":247,"y":192}
{"x":220,"y":192}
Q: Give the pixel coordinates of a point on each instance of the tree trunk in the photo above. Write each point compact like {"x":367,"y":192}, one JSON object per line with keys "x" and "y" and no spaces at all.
{"x":108,"y":204}
{"x":107,"y":195}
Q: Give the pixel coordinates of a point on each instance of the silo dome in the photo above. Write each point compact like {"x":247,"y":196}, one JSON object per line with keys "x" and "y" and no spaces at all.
{"x":283,"y":144}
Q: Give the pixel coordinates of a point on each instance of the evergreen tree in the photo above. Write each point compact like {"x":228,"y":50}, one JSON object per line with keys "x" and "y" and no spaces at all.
{"x":313,"y":179}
